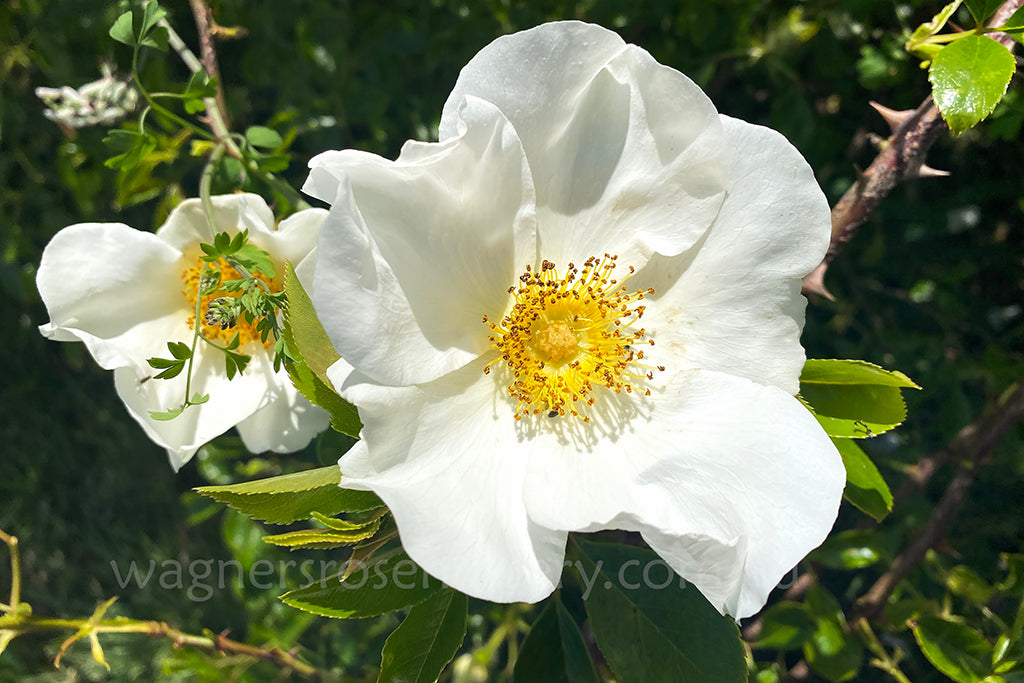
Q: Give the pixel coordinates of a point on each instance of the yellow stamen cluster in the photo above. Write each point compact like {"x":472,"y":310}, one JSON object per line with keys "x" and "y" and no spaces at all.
{"x":566,"y":335}
{"x":190,"y":277}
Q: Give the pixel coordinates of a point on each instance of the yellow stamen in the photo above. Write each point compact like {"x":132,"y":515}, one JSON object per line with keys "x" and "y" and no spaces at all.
{"x":567,"y":335}
{"x":246,"y":332}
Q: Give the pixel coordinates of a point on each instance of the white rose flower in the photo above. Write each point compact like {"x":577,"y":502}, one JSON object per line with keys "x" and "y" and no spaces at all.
{"x":125,"y":293}
{"x":580,"y":310}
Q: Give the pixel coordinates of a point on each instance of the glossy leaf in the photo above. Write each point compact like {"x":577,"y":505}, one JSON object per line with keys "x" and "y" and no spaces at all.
{"x":291,"y":497}
{"x":967,"y":583}
{"x":982,"y":9}
{"x":554,"y":651}
{"x":954,"y":649}
{"x":655,"y":629}
{"x":854,"y":399}
{"x":969,"y":77}
{"x":865,"y":488}
{"x":785,"y":626}
{"x":423,"y":644}
{"x":261,"y":136}
{"x":384,"y":585}
{"x":852,"y":549}
{"x":831,"y":652}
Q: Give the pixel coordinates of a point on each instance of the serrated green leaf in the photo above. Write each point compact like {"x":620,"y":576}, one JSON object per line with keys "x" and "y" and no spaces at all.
{"x":831,"y":651}
{"x":854,"y":399}
{"x":785,"y":626}
{"x":347,"y":524}
{"x":423,"y":644}
{"x":956,"y":650}
{"x":261,"y":136}
{"x":291,"y":497}
{"x":554,"y":650}
{"x":122,"y":31}
{"x":865,"y":488}
{"x":254,"y":258}
{"x":389,"y":583}
{"x":323,"y":538}
{"x":842,"y":371}
{"x":982,"y":9}
{"x":314,"y":353}
{"x":647,"y":633}
{"x":852,"y":549}
{"x":969,"y":77}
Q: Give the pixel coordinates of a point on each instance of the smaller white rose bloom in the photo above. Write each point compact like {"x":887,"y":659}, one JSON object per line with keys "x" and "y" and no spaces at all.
{"x":125,"y":293}
{"x":580,"y":310}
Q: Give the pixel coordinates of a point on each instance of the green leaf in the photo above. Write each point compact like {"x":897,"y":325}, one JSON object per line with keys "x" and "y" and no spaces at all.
{"x":423,"y":644}
{"x":1015,"y":24}
{"x":917,"y":44}
{"x":166,"y":415}
{"x":648,"y":626}
{"x":384,"y":585}
{"x":199,"y":399}
{"x":122,"y":30}
{"x":554,"y":650}
{"x":969,"y":77}
{"x":254,"y":258}
{"x":982,"y":9}
{"x":151,"y":14}
{"x":852,"y":549}
{"x":179,"y":350}
{"x":831,"y":652}
{"x":967,"y":583}
{"x":323,"y":538}
{"x":956,"y":650}
{"x":785,"y":626}
{"x":291,"y":497}
{"x":307,"y":339}
{"x":865,"y":488}
{"x":852,"y":398}
{"x":261,"y":136}
{"x":132,"y":145}
{"x":273,"y":163}
{"x":158,"y":38}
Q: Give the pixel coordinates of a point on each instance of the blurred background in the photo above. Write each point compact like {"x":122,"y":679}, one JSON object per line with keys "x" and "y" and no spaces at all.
{"x":932,"y":285}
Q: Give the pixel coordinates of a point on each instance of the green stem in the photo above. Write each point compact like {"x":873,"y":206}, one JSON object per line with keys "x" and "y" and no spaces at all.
{"x":12,"y":546}
{"x":160,"y":108}
{"x":883,"y":661}
{"x":204,"y":188}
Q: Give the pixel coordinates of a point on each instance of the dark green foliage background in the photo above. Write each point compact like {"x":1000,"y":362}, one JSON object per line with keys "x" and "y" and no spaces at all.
{"x":932,"y":285}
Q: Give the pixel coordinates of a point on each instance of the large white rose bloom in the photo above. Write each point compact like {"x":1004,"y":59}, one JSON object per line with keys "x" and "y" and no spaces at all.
{"x":495,"y":296}
{"x":125,"y":293}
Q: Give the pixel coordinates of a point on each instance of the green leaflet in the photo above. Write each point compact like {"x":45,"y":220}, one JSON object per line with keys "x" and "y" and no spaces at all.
{"x":423,"y":644}
{"x":389,"y":582}
{"x":865,"y":488}
{"x":323,"y":539}
{"x":831,"y":652}
{"x":956,"y":650}
{"x":291,"y":497}
{"x":314,"y":353}
{"x":851,"y":549}
{"x":853,"y":398}
{"x":654,"y":630}
{"x":969,"y":77}
{"x":554,"y":650}
{"x":785,"y":626}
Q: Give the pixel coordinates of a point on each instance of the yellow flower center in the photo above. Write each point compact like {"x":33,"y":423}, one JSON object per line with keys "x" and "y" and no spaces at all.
{"x":567,"y":335}
{"x":246,"y":332}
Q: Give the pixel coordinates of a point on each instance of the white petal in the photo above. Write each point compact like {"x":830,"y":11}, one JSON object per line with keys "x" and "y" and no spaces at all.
{"x":404,"y":276}
{"x":187,"y":226}
{"x":231,"y":401}
{"x":627,"y":154}
{"x":286,"y":424}
{"x":733,"y":303}
{"x":731,"y":482}
{"x":293,"y":239}
{"x":453,"y":477}
{"x":117,"y":289}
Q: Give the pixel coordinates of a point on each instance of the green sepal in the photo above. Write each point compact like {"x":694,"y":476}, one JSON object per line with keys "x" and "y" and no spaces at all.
{"x":969,"y":77}
{"x":423,"y":644}
{"x":291,"y":497}
{"x":854,"y":398}
{"x":554,"y":650}
{"x":390,"y":582}
{"x":865,"y":488}
{"x":314,"y":353}
{"x":670,"y":633}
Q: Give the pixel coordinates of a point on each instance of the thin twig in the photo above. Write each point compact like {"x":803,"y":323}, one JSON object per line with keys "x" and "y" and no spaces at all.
{"x":204,"y":25}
